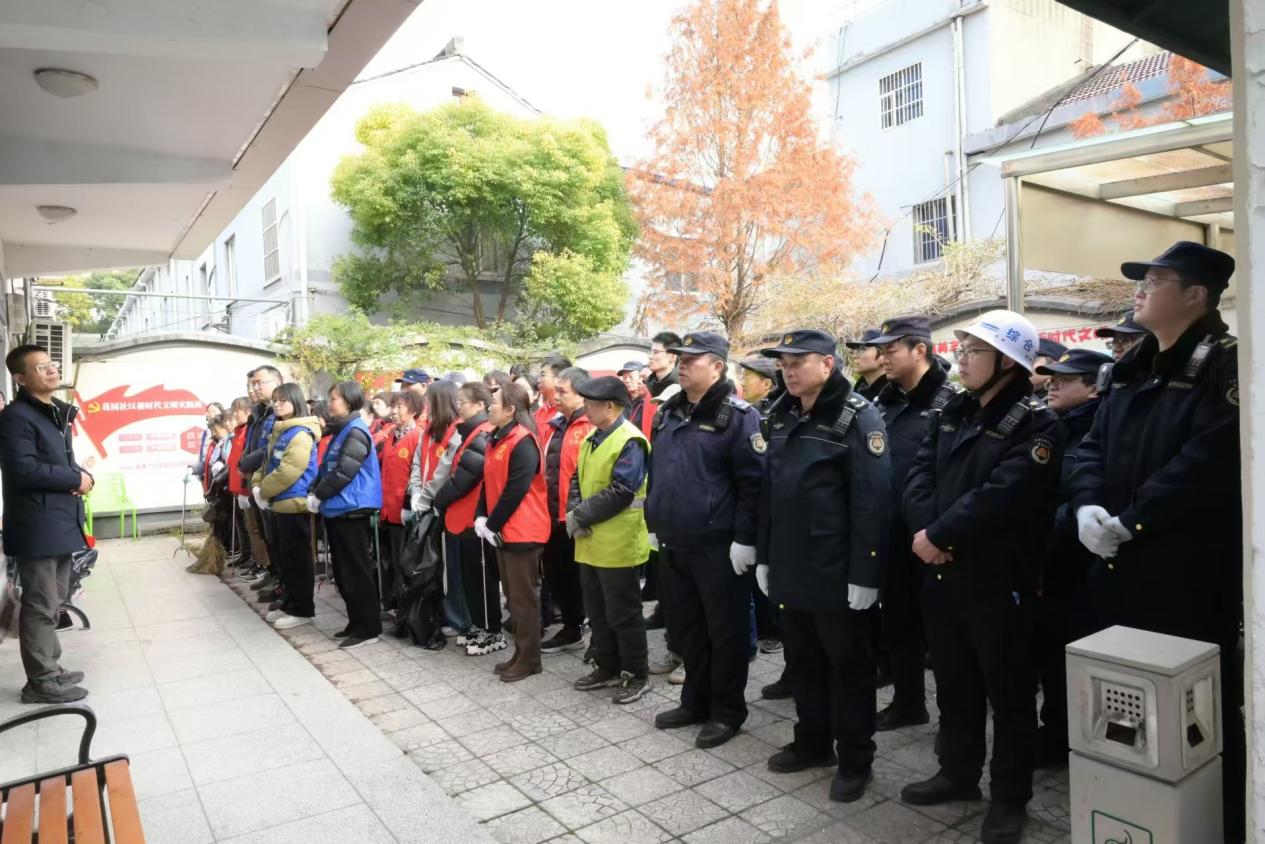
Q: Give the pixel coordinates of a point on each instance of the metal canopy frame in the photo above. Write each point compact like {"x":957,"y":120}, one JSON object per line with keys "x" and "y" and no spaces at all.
{"x":1202,"y":192}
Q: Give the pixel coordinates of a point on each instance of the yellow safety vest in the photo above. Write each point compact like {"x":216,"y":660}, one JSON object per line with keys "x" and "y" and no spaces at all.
{"x":621,"y":541}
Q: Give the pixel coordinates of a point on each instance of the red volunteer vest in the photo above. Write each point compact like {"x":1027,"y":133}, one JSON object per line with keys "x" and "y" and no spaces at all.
{"x":459,"y":517}
{"x":569,"y":459}
{"x":397,"y":462}
{"x":648,"y":408}
{"x":433,"y":452}
{"x":542,"y":415}
{"x":530,"y":522}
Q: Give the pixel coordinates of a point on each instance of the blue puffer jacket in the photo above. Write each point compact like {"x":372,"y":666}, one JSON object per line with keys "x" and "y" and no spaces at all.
{"x":342,"y":491}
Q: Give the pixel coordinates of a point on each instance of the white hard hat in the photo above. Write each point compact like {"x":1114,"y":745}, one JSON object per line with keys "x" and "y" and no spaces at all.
{"x":1008,"y":333}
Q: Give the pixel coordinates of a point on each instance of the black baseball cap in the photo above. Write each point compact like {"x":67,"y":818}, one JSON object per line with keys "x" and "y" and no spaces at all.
{"x":1048,"y":348}
{"x":804,"y":341}
{"x":868,"y":338}
{"x":703,"y":342}
{"x":760,"y":365}
{"x":1201,"y":264}
{"x":604,"y":388}
{"x":1126,"y":325}
{"x":1075,"y":362}
{"x":898,"y":327}
{"x":631,"y":366}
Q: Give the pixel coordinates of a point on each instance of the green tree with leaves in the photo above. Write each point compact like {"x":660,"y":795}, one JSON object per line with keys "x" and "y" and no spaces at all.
{"x":89,"y":313}
{"x":463,"y":199}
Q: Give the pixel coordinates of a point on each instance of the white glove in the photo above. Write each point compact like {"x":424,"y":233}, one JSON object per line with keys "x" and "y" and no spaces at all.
{"x":481,"y":531}
{"x":742,"y":557}
{"x":1091,"y":527}
{"x":762,"y":579}
{"x":259,"y":499}
{"x":217,"y":467}
{"x":654,"y":541}
{"x":1113,"y":526}
{"x":861,"y":597}
{"x":243,"y":502}
{"x":574,"y":528}
{"x":415,"y":501}
{"x":313,"y":504}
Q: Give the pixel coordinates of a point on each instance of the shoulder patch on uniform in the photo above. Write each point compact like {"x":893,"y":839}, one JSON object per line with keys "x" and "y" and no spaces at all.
{"x":857,"y":401}
{"x":1042,"y":449}
{"x":758,"y":445}
{"x":876,"y":442}
{"x":740,"y":403}
{"x":1232,"y":392}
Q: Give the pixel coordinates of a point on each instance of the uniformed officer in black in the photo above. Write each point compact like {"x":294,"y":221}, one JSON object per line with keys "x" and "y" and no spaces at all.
{"x":705,"y":472}
{"x":1063,"y":612}
{"x":760,"y":388}
{"x":915,"y":383}
{"x":1156,"y":485}
{"x":1122,"y":336}
{"x":866,"y":365}
{"x":1048,"y":351}
{"x":980,"y":499}
{"x":824,"y":514}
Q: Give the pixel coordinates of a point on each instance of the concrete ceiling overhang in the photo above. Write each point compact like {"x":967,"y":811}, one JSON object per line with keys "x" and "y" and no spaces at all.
{"x":197,"y":104}
{"x":1197,"y":30}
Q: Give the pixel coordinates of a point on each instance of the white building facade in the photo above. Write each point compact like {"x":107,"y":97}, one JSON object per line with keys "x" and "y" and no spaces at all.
{"x":272,"y":266}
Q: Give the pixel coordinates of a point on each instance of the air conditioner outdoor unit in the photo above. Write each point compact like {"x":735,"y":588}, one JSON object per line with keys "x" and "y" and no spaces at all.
{"x":54,"y":336}
{"x":45,"y":307}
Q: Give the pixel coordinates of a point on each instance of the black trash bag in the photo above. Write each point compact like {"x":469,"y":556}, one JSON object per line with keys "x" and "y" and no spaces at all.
{"x":420,"y":615}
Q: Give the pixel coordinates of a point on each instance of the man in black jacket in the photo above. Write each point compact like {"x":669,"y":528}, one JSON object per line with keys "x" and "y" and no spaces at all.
{"x":662,"y":363}
{"x":1157,"y":483}
{"x":915,"y":382}
{"x":262,"y":381}
{"x":1063,"y":612}
{"x":43,"y":507}
{"x":980,"y":500}
{"x":823,"y":526}
{"x":566,"y":433}
{"x":706,"y":464}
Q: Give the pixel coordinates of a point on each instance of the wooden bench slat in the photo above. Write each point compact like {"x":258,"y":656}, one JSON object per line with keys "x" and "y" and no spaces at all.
{"x":124,"y":815}
{"x":86,"y":796}
{"x":20,"y":816}
{"x":53,"y":811}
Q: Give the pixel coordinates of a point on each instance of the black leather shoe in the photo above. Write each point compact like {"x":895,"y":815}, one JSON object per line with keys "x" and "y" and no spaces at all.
{"x":793,"y":758}
{"x":939,"y":789}
{"x":776,"y":691}
{"x":845,"y":788}
{"x":894,"y":717}
{"x":680,"y":717}
{"x":714,"y":734}
{"x":1004,"y":823}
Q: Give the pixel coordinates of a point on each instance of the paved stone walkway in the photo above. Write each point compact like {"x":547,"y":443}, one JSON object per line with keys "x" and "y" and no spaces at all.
{"x":538,"y":761}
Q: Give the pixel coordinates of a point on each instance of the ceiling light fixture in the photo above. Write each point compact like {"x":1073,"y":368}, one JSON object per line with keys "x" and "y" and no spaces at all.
{"x":56,"y":213}
{"x":65,"y":83}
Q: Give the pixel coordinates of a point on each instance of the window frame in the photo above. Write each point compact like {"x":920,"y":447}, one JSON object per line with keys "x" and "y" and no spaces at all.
{"x":272,"y":252}
{"x":900,"y":97}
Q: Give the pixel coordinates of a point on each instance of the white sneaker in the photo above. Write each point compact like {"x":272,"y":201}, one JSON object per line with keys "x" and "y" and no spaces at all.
{"x":273,"y":615}
{"x":285,"y":622}
{"x":471,"y":635}
{"x":677,"y":677}
{"x":448,"y":631}
{"x":489,"y":643}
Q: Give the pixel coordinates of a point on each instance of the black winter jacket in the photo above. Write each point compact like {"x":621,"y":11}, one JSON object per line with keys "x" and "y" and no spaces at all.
{"x":1066,"y":570}
{"x":824,"y":519}
{"x":985,"y":485}
{"x":905,"y":418}
{"x":1163,"y":457}
{"x":705,"y":473}
{"x":468,"y":473}
{"x":42,"y":518}
{"x":255,"y":452}
{"x":357,"y":448}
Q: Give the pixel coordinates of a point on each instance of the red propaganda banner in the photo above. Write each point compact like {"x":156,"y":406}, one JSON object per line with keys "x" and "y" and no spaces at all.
{"x":114,"y":409}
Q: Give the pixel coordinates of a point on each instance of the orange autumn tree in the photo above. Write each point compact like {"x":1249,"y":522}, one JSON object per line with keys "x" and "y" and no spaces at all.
{"x":740,"y":187}
{"x":1192,"y":94}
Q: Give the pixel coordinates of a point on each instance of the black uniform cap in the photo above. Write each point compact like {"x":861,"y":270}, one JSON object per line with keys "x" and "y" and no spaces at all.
{"x":898,"y":327}
{"x":1075,"y":362}
{"x":1200,"y":264}
{"x":867,"y":339}
{"x":760,"y":365}
{"x":802,"y":341}
{"x":1126,"y":325}
{"x":604,"y":388}
{"x":703,"y":342}
{"x":1048,"y":348}
{"x":631,"y":366}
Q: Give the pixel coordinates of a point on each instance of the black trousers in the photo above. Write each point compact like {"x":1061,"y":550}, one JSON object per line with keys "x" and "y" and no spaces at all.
{"x":562,"y":577}
{"x":904,"y":644}
{"x":981,"y":653}
{"x":766,"y":616}
{"x":710,"y":626}
{"x":612,"y":597}
{"x":1060,"y":618}
{"x":832,"y":677}
{"x":294,"y":553}
{"x":350,"y":538}
{"x":268,"y":527}
{"x":480,"y":578}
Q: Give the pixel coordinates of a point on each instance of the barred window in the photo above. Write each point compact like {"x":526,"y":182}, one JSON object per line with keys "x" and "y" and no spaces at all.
{"x":272,"y":250}
{"x":934,"y":225}
{"x":900,"y":96}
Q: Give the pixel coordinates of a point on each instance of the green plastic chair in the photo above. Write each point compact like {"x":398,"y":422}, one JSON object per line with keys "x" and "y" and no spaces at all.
{"x":109,"y":493}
